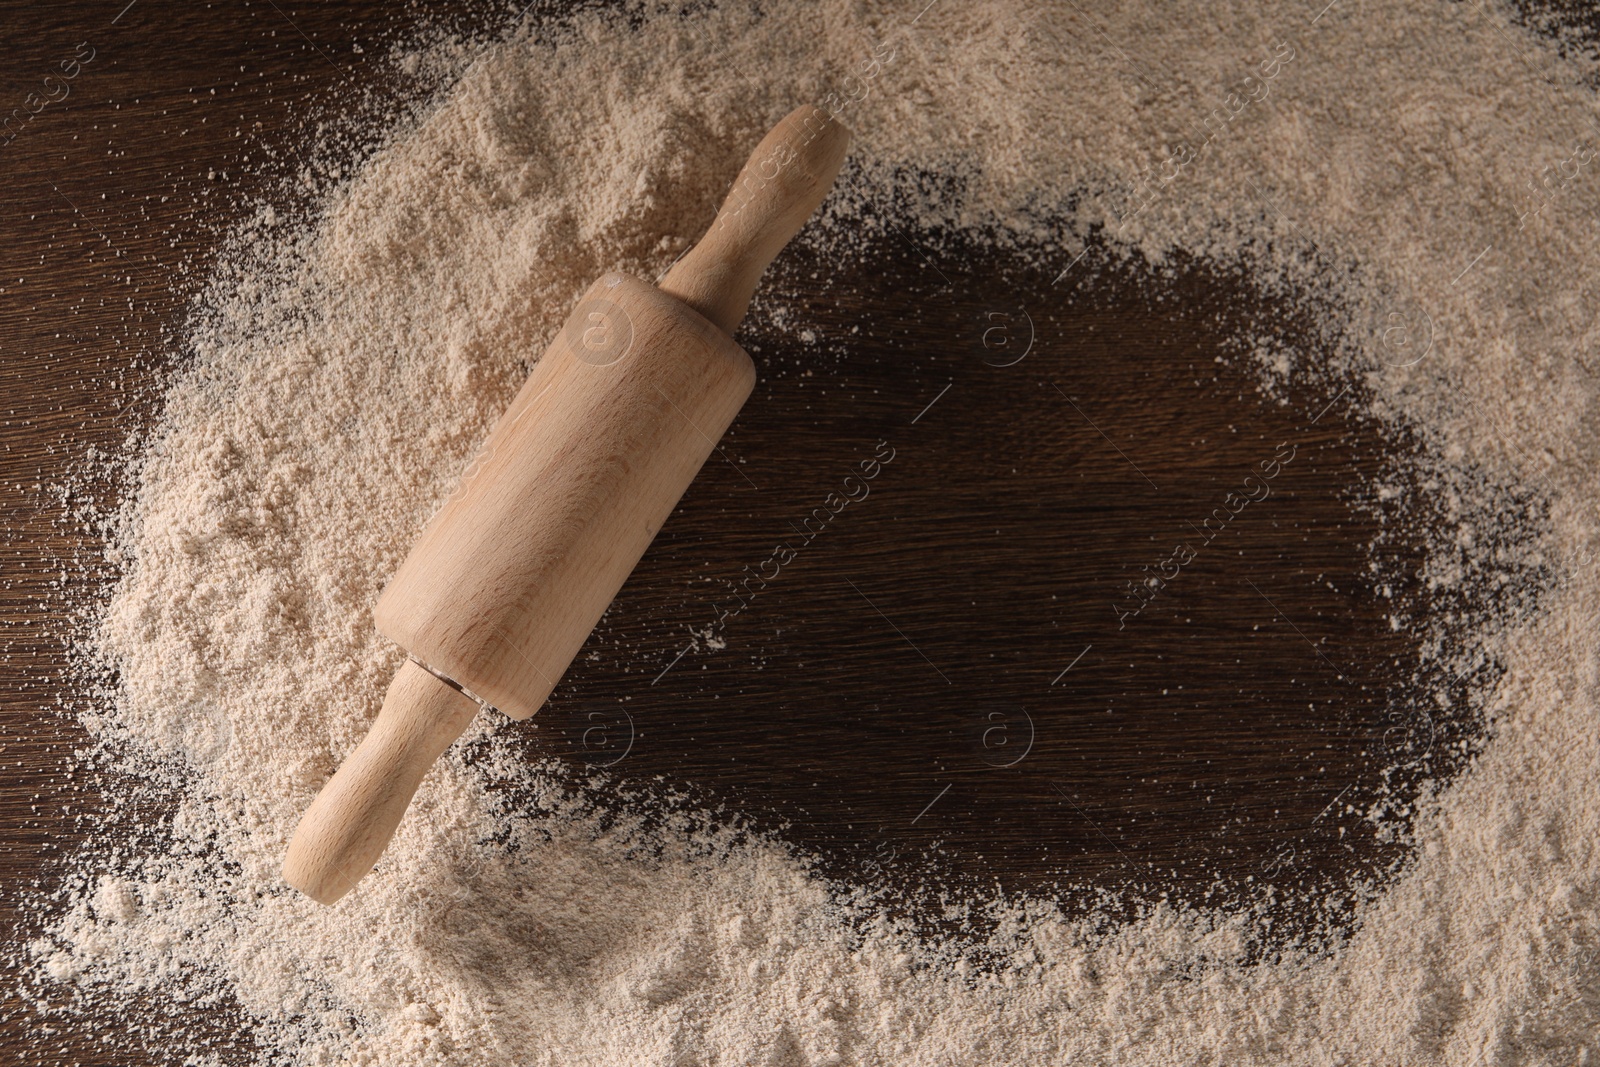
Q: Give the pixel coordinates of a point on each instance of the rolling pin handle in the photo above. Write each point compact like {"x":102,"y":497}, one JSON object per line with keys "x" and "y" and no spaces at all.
{"x":350,"y":823}
{"x":787,"y":177}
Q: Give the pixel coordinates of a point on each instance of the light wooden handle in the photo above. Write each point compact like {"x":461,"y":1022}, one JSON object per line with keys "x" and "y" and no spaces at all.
{"x":787,"y":177}
{"x":348,"y":826}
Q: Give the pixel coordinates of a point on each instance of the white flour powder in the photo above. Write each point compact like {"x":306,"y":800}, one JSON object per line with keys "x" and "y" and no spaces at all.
{"x":1431,"y":161}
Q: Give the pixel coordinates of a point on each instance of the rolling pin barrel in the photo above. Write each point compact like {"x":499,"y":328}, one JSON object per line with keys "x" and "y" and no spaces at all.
{"x":516,"y":568}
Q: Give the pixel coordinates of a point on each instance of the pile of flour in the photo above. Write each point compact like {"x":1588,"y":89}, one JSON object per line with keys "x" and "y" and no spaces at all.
{"x":1430,"y":168}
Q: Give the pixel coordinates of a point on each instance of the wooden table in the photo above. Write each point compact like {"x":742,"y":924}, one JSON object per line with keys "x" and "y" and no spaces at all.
{"x":946,"y":680}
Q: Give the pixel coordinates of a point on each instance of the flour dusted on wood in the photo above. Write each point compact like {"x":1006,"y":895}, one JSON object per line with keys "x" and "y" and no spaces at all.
{"x":341,"y":373}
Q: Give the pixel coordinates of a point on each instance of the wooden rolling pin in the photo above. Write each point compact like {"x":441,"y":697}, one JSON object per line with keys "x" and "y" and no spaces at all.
{"x":513,"y":572}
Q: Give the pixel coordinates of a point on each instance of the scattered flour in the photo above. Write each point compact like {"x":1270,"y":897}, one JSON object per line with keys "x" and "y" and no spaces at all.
{"x":1430,"y":167}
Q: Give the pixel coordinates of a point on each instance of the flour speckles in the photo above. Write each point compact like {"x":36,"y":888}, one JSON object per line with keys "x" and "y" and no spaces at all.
{"x":343,"y":364}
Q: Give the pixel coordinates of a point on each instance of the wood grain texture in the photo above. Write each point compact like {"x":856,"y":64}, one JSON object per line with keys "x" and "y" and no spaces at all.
{"x":870,"y":693}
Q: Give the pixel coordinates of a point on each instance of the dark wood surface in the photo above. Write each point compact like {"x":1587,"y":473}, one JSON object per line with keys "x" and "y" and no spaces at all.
{"x":937,"y":684}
